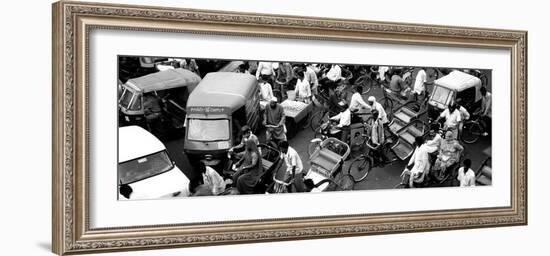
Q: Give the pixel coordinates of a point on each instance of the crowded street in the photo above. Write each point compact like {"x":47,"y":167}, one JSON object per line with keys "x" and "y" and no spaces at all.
{"x":393,"y":138}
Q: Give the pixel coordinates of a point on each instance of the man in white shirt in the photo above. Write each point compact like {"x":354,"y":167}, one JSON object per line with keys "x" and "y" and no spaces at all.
{"x":419,"y":87}
{"x":266,"y":92}
{"x":302,"y":89}
{"x":464,"y":115}
{"x":357,"y":103}
{"x":211,"y":179}
{"x":344,"y":120}
{"x":466,"y":176}
{"x":371,"y":101}
{"x":265,"y":68}
{"x":292,"y":160}
{"x":335,"y":73}
{"x":452,"y":118}
{"x":419,"y":164}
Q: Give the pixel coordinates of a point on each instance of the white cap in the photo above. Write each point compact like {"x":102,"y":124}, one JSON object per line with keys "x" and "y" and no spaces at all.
{"x":371,"y":98}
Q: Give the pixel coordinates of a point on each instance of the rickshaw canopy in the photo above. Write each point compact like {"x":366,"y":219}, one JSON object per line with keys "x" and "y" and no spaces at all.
{"x":459,"y":81}
{"x":223,"y":89}
{"x":164,"y":80}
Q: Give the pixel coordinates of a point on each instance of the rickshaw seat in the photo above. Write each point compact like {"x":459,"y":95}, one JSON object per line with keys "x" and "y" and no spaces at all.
{"x":402,"y":149}
{"x":396,"y":125}
{"x":409,"y":112}
{"x":410,"y":133}
{"x":326,"y":159}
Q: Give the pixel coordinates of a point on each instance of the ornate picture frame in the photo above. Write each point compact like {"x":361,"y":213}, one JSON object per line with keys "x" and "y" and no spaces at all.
{"x":72,"y":23}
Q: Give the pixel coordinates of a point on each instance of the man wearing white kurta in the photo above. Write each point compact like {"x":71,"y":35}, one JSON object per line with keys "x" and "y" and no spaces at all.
{"x":466,"y":176}
{"x":357,"y":103}
{"x":335,"y":73}
{"x":381,"y":112}
{"x":266,"y":91}
{"x":420,"y":162}
{"x":265,"y":68}
{"x":419,"y":84}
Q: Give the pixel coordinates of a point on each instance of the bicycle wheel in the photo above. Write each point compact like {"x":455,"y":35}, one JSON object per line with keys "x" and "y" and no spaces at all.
{"x":400,"y":185}
{"x":365,"y":82}
{"x":312,"y":147}
{"x":387,"y":104}
{"x":359,"y":168}
{"x":471,"y":132}
{"x":317,"y":119}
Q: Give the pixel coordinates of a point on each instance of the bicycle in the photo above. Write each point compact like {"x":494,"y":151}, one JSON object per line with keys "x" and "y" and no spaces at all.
{"x":473,"y":129}
{"x":361,"y":165}
{"x":322,"y":115}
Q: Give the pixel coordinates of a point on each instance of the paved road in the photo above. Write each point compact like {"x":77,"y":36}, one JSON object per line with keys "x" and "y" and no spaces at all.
{"x":379,"y":178}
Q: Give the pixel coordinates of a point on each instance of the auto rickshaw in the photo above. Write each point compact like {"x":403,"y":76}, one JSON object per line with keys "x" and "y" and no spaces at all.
{"x":455,"y":85}
{"x":157,"y":101}
{"x":219,"y":106}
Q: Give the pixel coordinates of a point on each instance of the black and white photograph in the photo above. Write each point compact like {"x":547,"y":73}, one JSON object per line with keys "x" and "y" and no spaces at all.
{"x":215,"y":127}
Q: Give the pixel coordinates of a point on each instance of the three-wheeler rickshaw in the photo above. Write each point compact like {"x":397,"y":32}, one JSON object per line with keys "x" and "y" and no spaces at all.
{"x":448,"y":89}
{"x":219,"y":106}
{"x":157,"y":101}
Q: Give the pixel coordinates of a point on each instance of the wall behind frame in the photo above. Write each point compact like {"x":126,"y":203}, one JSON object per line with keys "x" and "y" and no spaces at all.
{"x":26,"y":116}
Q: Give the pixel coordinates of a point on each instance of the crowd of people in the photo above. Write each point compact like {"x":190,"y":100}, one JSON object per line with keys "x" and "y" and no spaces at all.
{"x":309,"y":82}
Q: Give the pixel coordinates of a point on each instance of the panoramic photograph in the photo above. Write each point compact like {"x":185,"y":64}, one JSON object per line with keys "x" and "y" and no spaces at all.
{"x":213,"y":127}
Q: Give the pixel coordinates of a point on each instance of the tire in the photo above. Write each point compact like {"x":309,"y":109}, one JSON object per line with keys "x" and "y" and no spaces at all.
{"x":471,"y":132}
{"x":400,"y":185}
{"x":317,"y":119}
{"x":312,"y":147}
{"x":360,"y":168}
{"x":364,"y":81}
{"x":387,"y":104}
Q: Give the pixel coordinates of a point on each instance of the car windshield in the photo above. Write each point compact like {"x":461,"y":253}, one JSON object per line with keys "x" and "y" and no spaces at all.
{"x":144,"y":167}
{"x":208,"y":129}
{"x":441,"y":95}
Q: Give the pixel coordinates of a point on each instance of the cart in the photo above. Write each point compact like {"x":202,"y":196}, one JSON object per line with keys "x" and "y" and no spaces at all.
{"x":326,"y":163}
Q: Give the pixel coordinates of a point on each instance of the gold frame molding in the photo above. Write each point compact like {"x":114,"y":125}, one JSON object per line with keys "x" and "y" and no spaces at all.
{"x":72,"y":21}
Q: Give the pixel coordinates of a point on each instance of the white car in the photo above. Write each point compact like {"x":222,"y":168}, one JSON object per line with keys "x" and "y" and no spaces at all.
{"x":145,"y":170}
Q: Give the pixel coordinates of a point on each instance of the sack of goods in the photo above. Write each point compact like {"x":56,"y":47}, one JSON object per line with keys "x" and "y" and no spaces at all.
{"x":293,"y":108}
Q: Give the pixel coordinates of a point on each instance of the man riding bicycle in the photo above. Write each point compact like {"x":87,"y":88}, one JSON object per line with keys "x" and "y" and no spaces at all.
{"x":344,"y":121}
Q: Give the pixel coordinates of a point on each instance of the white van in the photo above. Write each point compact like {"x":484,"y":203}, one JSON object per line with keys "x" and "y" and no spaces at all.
{"x":145,"y":168}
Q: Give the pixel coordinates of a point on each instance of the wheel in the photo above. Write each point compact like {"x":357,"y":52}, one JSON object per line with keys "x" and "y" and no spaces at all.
{"x":401,"y":185}
{"x":387,"y":104}
{"x":359,"y":168}
{"x":365,"y":82}
{"x":317,"y":119}
{"x":312,"y":147}
{"x":471,"y":132}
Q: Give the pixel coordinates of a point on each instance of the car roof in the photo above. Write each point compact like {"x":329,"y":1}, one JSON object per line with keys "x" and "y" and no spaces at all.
{"x":164,"y":80}
{"x":458,"y":81}
{"x":223,"y":89}
{"x":135,"y":142}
